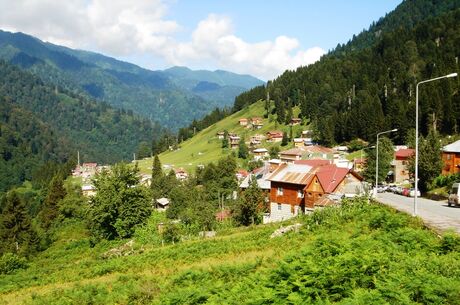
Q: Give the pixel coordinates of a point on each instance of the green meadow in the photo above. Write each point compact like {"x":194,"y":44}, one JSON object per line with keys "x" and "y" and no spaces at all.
{"x":359,"y":253}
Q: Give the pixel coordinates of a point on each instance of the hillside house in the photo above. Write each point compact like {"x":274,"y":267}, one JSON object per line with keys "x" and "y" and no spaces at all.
{"x":220,"y":135}
{"x":88,"y":190}
{"x":359,"y":164}
{"x":451,"y":158}
{"x":307,"y":152}
{"x":307,"y":134}
{"x":274,"y":136}
{"x":257,"y":123}
{"x":181,"y":174}
{"x":314,"y":162}
{"x":145,"y":179}
{"x":296,"y":121}
{"x":296,"y":188}
{"x":234,"y":141}
{"x":299,"y":142}
{"x":308,"y":141}
{"x":162,"y":204}
{"x":241,"y":174}
{"x":260,"y":153}
{"x":86,"y":170}
{"x":243,"y":122}
{"x":400,"y":165}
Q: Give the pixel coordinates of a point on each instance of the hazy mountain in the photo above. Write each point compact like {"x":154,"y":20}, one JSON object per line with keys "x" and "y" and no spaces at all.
{"x":173,"y":97}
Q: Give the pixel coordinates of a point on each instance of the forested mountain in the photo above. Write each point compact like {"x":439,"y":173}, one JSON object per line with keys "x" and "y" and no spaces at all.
{"x":38,"y":125}
{"x":173,"y":97}
{"x":369,"y":84}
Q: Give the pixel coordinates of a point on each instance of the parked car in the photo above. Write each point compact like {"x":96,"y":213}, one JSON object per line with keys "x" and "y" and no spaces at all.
{"x":412,"y":193}
{"x":405,"y":192}
{"x":398,"y":190}
{"x":454,"y":195}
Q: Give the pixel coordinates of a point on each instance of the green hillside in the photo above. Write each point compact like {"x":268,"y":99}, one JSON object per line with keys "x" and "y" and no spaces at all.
{"x":205,"y":147}
{"x":173,"y":97}
{"x":357,"y":254}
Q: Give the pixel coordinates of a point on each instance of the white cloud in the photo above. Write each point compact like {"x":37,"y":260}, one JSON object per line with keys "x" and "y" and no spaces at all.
{"x":124,"y":28}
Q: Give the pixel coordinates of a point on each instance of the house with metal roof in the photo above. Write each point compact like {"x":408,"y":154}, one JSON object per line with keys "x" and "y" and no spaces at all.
{"x":296,"y":188}
{"x":451,"y":158}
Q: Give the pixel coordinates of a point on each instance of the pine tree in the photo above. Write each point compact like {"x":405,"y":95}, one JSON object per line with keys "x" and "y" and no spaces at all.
{"x":247,"y":210}
{"x":16,"y":232}
{"x":56,"y":192}
{"x":285,"y":140}
{"x":429,"y":161}
{"x":157,"y":181}
{"x":243,"y":151}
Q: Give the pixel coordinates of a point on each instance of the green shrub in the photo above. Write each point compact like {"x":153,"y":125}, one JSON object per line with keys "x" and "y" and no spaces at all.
{"x":10,"y":262}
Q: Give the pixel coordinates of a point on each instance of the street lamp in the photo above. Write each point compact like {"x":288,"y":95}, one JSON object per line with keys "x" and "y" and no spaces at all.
{"x":416,"y":135}
{"x":377,"y":159}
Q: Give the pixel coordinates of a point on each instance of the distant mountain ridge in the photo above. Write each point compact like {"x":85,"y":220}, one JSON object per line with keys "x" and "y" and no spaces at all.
{"x":173,"y":97}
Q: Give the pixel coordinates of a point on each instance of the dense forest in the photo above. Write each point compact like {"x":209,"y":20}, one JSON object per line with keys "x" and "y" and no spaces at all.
{"x":368,"y":85}
{"x":41,"y":124}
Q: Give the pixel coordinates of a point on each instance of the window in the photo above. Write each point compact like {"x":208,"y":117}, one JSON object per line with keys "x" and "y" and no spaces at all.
{"x":279,"y":191}
{"x":299,"y":194}
{"x":279,"y":207}
{"x":448,"y":156}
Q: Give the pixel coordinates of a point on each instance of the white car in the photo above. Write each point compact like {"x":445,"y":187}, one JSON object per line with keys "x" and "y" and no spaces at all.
{"x":412,"y":193}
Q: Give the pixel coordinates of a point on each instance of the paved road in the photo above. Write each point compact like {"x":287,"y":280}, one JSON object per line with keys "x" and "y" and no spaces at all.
{"x":435,"y":214}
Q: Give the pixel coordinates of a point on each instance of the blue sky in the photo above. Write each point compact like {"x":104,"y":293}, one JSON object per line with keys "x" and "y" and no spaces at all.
{"x":315,"y":23}
{"x":261,"y":38}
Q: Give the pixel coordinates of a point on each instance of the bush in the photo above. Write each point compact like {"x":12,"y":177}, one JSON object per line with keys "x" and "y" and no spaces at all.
{"x":10,"y":262}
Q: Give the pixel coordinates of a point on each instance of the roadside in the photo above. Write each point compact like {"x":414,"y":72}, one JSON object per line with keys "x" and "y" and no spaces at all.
{"x":435,"y":214}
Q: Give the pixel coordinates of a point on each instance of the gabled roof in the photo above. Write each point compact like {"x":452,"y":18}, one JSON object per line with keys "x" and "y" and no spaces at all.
{"x":260,"y":150}
{"x":330,"y":176}
{"x":453,"y":147}
{"x":404,"y":153}
{"x":292,"y":173}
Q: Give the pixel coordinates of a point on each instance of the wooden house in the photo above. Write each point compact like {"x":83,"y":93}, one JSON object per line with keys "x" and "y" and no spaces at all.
{"x":234,"y":141}
{"x":296,"y":121}
{"x":400,"y":165}
{"x":220,"y":135}
{"x":299,"y":142}
{"x":451,"y":158}
{"x":296,"y":188}
{"x":181,"y":174}
{"x":274,"y":136}
{"x":260,"y":153}
{"x":243,"y":122}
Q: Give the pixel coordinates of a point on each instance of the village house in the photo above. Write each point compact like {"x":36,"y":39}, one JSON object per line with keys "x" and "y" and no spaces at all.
{"x":86,"y":170}
{"x":256,"y":140}
{"x":260,"y":153}
{"x":296,"y":121}
{"x":307,"y":134}
{"x":88,"y":190}
{"x":243,"y":122}
{"x":308,"y":152}
{"x":257,"y":123}
{"x":359,"y":164}
{"x":145,"y":179}
{"x":296,"y":188}
{"x":451,"y":158}
{"x":234,"y":141}
{"x":241,"y":174}
{"x":162,"y":204}
{"x":274,"y":136}
{"x":220,"y":135}
{"x":400,"y":165}
{"x":181,"y":174}
{"x":299,"y":142}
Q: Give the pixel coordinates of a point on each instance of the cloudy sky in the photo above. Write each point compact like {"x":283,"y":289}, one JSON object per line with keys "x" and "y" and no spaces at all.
{"x":257,"y":37}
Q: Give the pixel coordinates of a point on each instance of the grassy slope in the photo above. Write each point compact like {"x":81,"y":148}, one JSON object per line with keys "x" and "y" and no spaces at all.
{"x":363,"y":254}
{"x":205,"y":147}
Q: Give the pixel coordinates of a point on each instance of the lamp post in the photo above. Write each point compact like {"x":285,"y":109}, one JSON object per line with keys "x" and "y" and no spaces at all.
{"x":377,"y":159}
{"x":414,"y":213}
